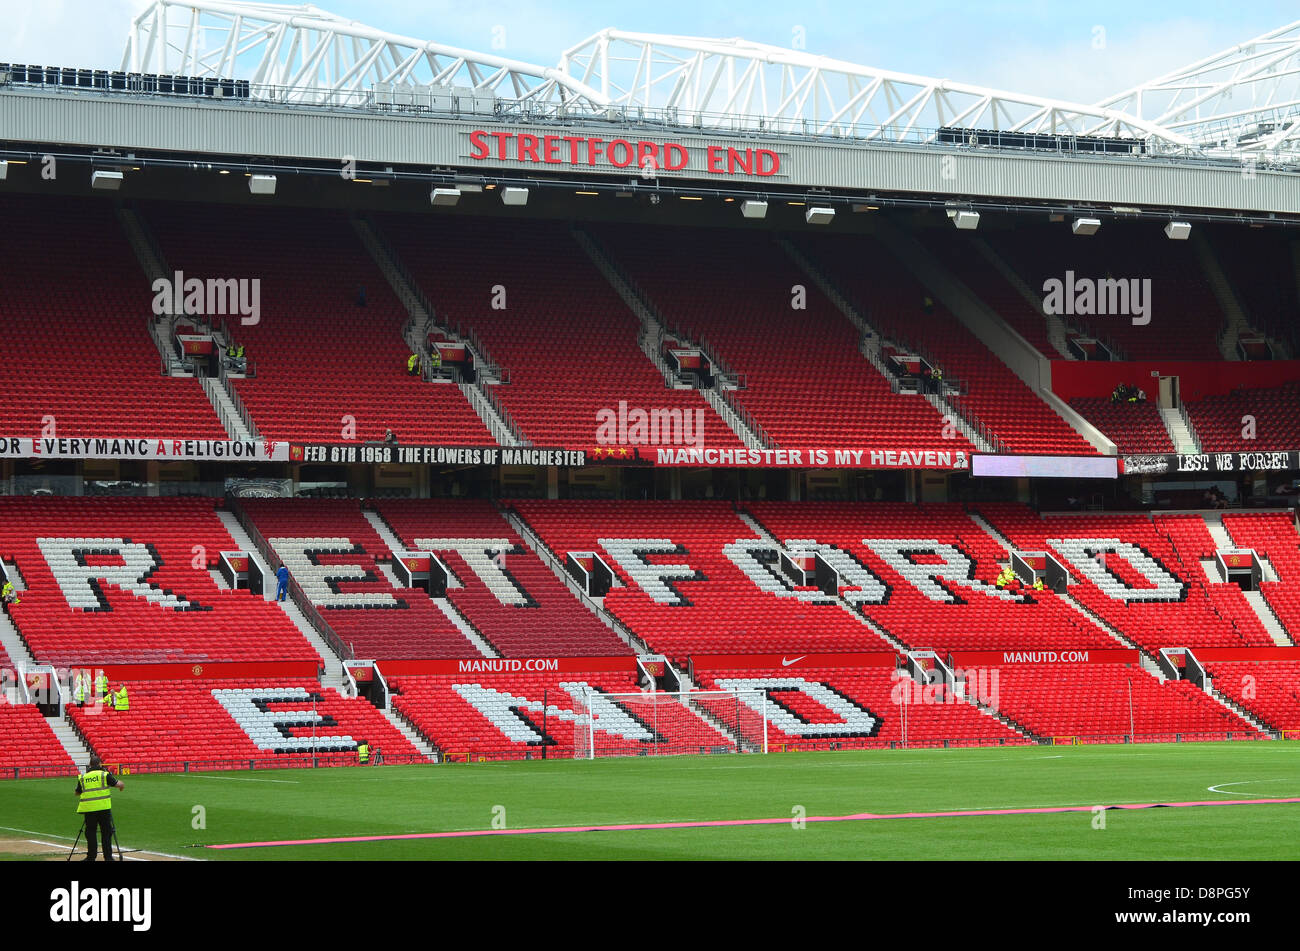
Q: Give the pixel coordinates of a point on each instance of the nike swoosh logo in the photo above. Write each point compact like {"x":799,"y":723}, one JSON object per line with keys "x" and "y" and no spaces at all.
{"x":787,"y":663}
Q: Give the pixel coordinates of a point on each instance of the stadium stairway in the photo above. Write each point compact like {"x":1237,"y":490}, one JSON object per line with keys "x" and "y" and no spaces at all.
{"x":595,"y":605}
{"x":70,"y":740}
{"x":1233,"y":707}
{"x":738,"y":421}
{"x":413,"y":735}
{"x":423,"y":321}
{"x":331,"y":663}
{"x":869,"y":346}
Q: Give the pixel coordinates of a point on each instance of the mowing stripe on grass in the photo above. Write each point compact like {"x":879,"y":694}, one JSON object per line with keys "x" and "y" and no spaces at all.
{"x":721,"y":823}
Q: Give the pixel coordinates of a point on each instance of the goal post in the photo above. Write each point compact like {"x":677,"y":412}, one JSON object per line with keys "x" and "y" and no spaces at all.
{"x":666,"y":723}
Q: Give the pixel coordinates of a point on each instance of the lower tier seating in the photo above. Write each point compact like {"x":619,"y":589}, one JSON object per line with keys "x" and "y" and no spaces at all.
{"x":514,"y":601}
{"x":1131,"y":575}
{"x":857,"y":708}
{"x":694,"y":578}
{"x":1220,"y":420}
{"x":516,"y":717}
{"x":28,"y":745}
{"x":128,"y":580}
{"x":228,"y":724}
{"x":934,"y":572}
{"x":331,"y":552}
{"x":1092,"y":702}
{"x":1274,"y":536}
{"x":1268,"y":689}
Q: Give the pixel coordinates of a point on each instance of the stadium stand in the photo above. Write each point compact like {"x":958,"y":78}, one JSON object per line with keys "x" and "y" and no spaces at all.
{"x":1273,"y":535}
{"x":1131,"y":576}
{"x":332,"y":550}
{"x":78,"y":349}
{"x":801,"y":367}
{"x":859,"y":708}
{"x":517,"y":604}
{"x":319,"y":357}
{"x":1269,"y":690}
{"x":1185,"y":319}
{"x":115,"y":581}
{"x":1132,"y":427}
{"x":566,"y":338}
{"x":1220,"y":420}
{"x":225,"y":724}
{"x":515,"y":716}
{"x":953,"y":250}
{"x":680,"y":591}
{"x":866,"y":272}
{"x":27,"y":743}
{"x":1261,"y":270}
{"x":940,"y":570}
{"x":1092,"y":702}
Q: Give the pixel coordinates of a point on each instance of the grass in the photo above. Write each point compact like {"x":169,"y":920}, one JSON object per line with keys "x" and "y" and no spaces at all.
{"x":157,"y":812}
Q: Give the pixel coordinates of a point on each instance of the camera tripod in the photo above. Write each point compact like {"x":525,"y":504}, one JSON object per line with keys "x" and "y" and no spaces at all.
{"x":107,"y":846}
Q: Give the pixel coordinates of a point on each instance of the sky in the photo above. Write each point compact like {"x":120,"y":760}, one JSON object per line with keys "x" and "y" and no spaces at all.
{"x":1073,"y":51}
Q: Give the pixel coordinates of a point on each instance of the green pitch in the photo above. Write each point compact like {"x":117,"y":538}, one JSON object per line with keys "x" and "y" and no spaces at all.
{"x":160,"y":813}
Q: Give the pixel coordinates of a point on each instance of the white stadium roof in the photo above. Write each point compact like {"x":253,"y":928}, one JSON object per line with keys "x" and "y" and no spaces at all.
{"x":1241,"y":102}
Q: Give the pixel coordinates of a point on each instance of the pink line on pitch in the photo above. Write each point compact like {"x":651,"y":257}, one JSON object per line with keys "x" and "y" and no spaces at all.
{"x":721,"y":823}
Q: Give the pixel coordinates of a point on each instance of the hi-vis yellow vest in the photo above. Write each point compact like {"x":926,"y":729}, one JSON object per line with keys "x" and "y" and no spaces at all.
{"x":96,"y":796}
{"x":364,"y":752}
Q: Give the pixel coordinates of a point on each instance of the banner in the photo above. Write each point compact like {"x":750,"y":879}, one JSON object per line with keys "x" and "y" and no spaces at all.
{"x":1211,"y":654}
{"x":1213,"y":463}
{"x":814,"y":458}
{"x":141,"y":447}
{"x":488,"y":666}
{"x":1106,"y":655}
{"x":381,"y":453}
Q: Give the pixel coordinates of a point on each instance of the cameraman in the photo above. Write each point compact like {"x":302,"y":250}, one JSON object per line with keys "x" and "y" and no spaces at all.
{"x":95,"y":794}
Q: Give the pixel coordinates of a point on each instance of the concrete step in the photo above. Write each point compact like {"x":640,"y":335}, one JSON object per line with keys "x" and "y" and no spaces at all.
{"x":1184,"y":441}
{"x":1264,"y":611}
{"x":233,"y":423}
{"x":387,"y":534}
{"x":1218,"y":531}
{"x":463,"y":625}
{"x":404,"y":727}
{"x":70,"y":741}
{"x":1234,"y":707}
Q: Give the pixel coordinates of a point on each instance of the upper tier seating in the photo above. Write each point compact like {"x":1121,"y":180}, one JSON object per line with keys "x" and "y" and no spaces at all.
{"x":1276,"y":411}
{"x":320,"y":358}
{"x":859,"y":708}
{"x":331,"y":551}
{"x":1132,"y":427}
{"x":806,"y":383}
{"x":1261,"y":269}
{"x":225,"y":724}
{"x":127,"y":580}
{"x":1273,"y":535}
{"x":893,"y":302}
{"x":707,"y":604}
{"x":1184,"y":316}
{"x":566,"y":338}
{"x":28,"y":743}
{"x":1139,"y":585}
{"x":1094,"y":702}
{"x":955,"y":252}
{"x":515,"y":716}
{"x":78,"y":349}
{"x":518,"y":606}
{"x":962,"y":609}
{"x":1268,"y":689}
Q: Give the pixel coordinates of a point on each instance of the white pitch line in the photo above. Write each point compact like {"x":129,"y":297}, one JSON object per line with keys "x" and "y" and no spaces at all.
{"x":1245,"y":782}
{"x":69,"y":838}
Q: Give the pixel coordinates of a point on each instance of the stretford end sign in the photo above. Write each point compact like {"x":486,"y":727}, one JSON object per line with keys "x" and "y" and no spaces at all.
{"x":594,"y":152}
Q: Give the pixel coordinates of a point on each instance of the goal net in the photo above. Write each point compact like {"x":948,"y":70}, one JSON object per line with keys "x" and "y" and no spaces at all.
{"x":659,"y":723}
